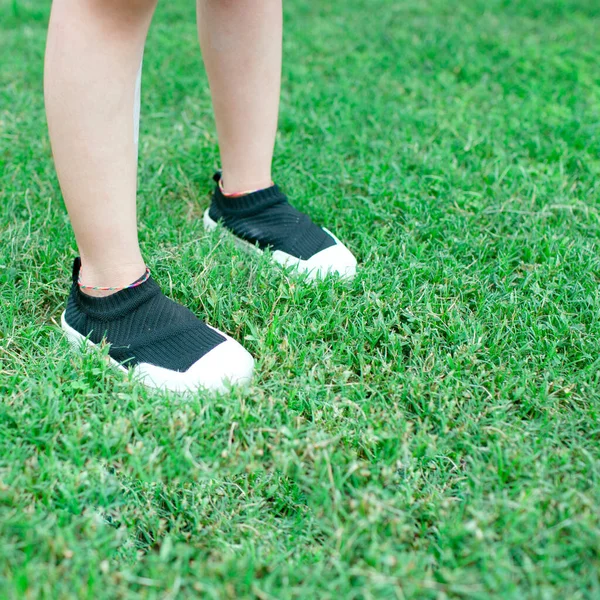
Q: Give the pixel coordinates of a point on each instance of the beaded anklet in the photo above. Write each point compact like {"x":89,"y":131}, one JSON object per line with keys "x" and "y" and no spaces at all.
{"x":98,"y":288}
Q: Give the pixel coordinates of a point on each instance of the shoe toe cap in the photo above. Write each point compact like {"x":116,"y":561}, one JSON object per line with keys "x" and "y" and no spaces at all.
{"x":228,"y":364}
{"x":336,"y":259}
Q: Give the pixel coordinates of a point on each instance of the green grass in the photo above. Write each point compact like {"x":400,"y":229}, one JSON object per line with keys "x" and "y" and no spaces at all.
{"x":430,"y":430}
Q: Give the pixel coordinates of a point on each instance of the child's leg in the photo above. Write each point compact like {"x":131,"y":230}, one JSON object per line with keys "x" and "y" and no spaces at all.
{"x":241,"y":47}
{"x":93,"y":56}
{"x":92,"y":63}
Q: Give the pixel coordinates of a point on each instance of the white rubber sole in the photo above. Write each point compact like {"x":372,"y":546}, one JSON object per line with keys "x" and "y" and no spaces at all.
{"x":229,"y":364}
{"x":333,"y":260}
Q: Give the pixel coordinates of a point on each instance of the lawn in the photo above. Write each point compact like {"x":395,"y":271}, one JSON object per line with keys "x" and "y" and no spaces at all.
{"x":429,"y":430}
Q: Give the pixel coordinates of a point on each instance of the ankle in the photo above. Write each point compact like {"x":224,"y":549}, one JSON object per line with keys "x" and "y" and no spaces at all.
{"x":101,"y":281}
{"x":232,"y":184}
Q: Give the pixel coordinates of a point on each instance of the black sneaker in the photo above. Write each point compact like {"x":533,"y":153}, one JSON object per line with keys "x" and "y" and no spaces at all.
{"x":265,"y":219}
{"x":162,"y":343}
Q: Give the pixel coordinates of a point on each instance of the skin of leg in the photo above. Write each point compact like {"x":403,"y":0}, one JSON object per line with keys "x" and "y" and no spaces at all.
{"x":93,"y":56}
{"x":241,"y":44}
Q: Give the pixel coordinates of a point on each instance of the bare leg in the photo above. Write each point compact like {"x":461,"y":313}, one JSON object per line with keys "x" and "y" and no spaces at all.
{"x":93,"y":57}
{"x":241,"y":46}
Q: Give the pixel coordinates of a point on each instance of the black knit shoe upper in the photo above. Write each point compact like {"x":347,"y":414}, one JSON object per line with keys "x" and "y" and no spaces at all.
{"x":267,"y":218}
{"x":142,"y":325}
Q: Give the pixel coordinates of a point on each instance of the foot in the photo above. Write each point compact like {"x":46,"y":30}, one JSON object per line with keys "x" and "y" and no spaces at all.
{"x":162,"y":343}
{"x":265,"y":219}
